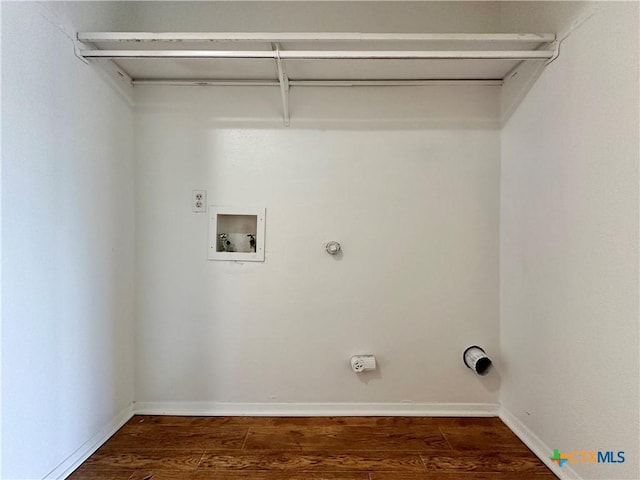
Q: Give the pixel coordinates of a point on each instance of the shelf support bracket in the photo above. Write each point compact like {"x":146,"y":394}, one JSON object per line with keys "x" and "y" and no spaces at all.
{"x":283,"y":80}
{"x":556,"y":52}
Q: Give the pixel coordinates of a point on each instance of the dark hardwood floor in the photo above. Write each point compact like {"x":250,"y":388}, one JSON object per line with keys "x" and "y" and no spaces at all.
{"x":318,"y":448}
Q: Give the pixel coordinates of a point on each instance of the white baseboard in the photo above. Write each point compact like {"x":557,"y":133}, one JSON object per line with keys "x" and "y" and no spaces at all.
{"x":74,"y":460}
{"x":318,"y":409}
{"x":537,"y":446}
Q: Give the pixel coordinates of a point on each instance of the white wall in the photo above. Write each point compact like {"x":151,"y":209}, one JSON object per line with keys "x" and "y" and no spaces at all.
{"x":540,"y":16}
{"x":300,"y":16}
{"x":67,"y":224}
{"x":416,"y":212}
{"x":569,"y":247}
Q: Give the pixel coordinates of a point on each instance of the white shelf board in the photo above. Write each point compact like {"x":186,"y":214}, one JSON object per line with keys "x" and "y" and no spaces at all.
{"x":395,"y":56}
{"x":315,"y":59}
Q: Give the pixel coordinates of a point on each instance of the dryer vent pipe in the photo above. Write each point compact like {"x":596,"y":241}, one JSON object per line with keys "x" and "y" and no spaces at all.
{"x":476,"y":359}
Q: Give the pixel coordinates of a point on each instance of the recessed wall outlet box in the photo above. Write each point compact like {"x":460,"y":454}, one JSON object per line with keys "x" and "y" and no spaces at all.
{"x":199,"y":201}
{"x":236,"y":233}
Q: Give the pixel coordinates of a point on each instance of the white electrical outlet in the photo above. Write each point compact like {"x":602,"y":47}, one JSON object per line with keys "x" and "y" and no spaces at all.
{"x":361,"y":363}
{"x":357,"y":365}
{"x":199,"y":201}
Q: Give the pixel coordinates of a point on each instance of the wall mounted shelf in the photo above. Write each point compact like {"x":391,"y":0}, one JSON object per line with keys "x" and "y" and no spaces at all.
{"x":316,"y":59}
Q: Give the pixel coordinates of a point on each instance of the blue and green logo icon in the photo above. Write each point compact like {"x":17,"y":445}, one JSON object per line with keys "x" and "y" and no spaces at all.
{"x":559,"y":458}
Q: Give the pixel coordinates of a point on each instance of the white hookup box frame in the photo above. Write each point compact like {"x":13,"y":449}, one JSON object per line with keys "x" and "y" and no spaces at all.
{"x":219,"y":215}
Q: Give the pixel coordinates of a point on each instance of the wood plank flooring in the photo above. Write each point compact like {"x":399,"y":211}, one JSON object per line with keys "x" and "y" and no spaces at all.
{"x":313,"y":448}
